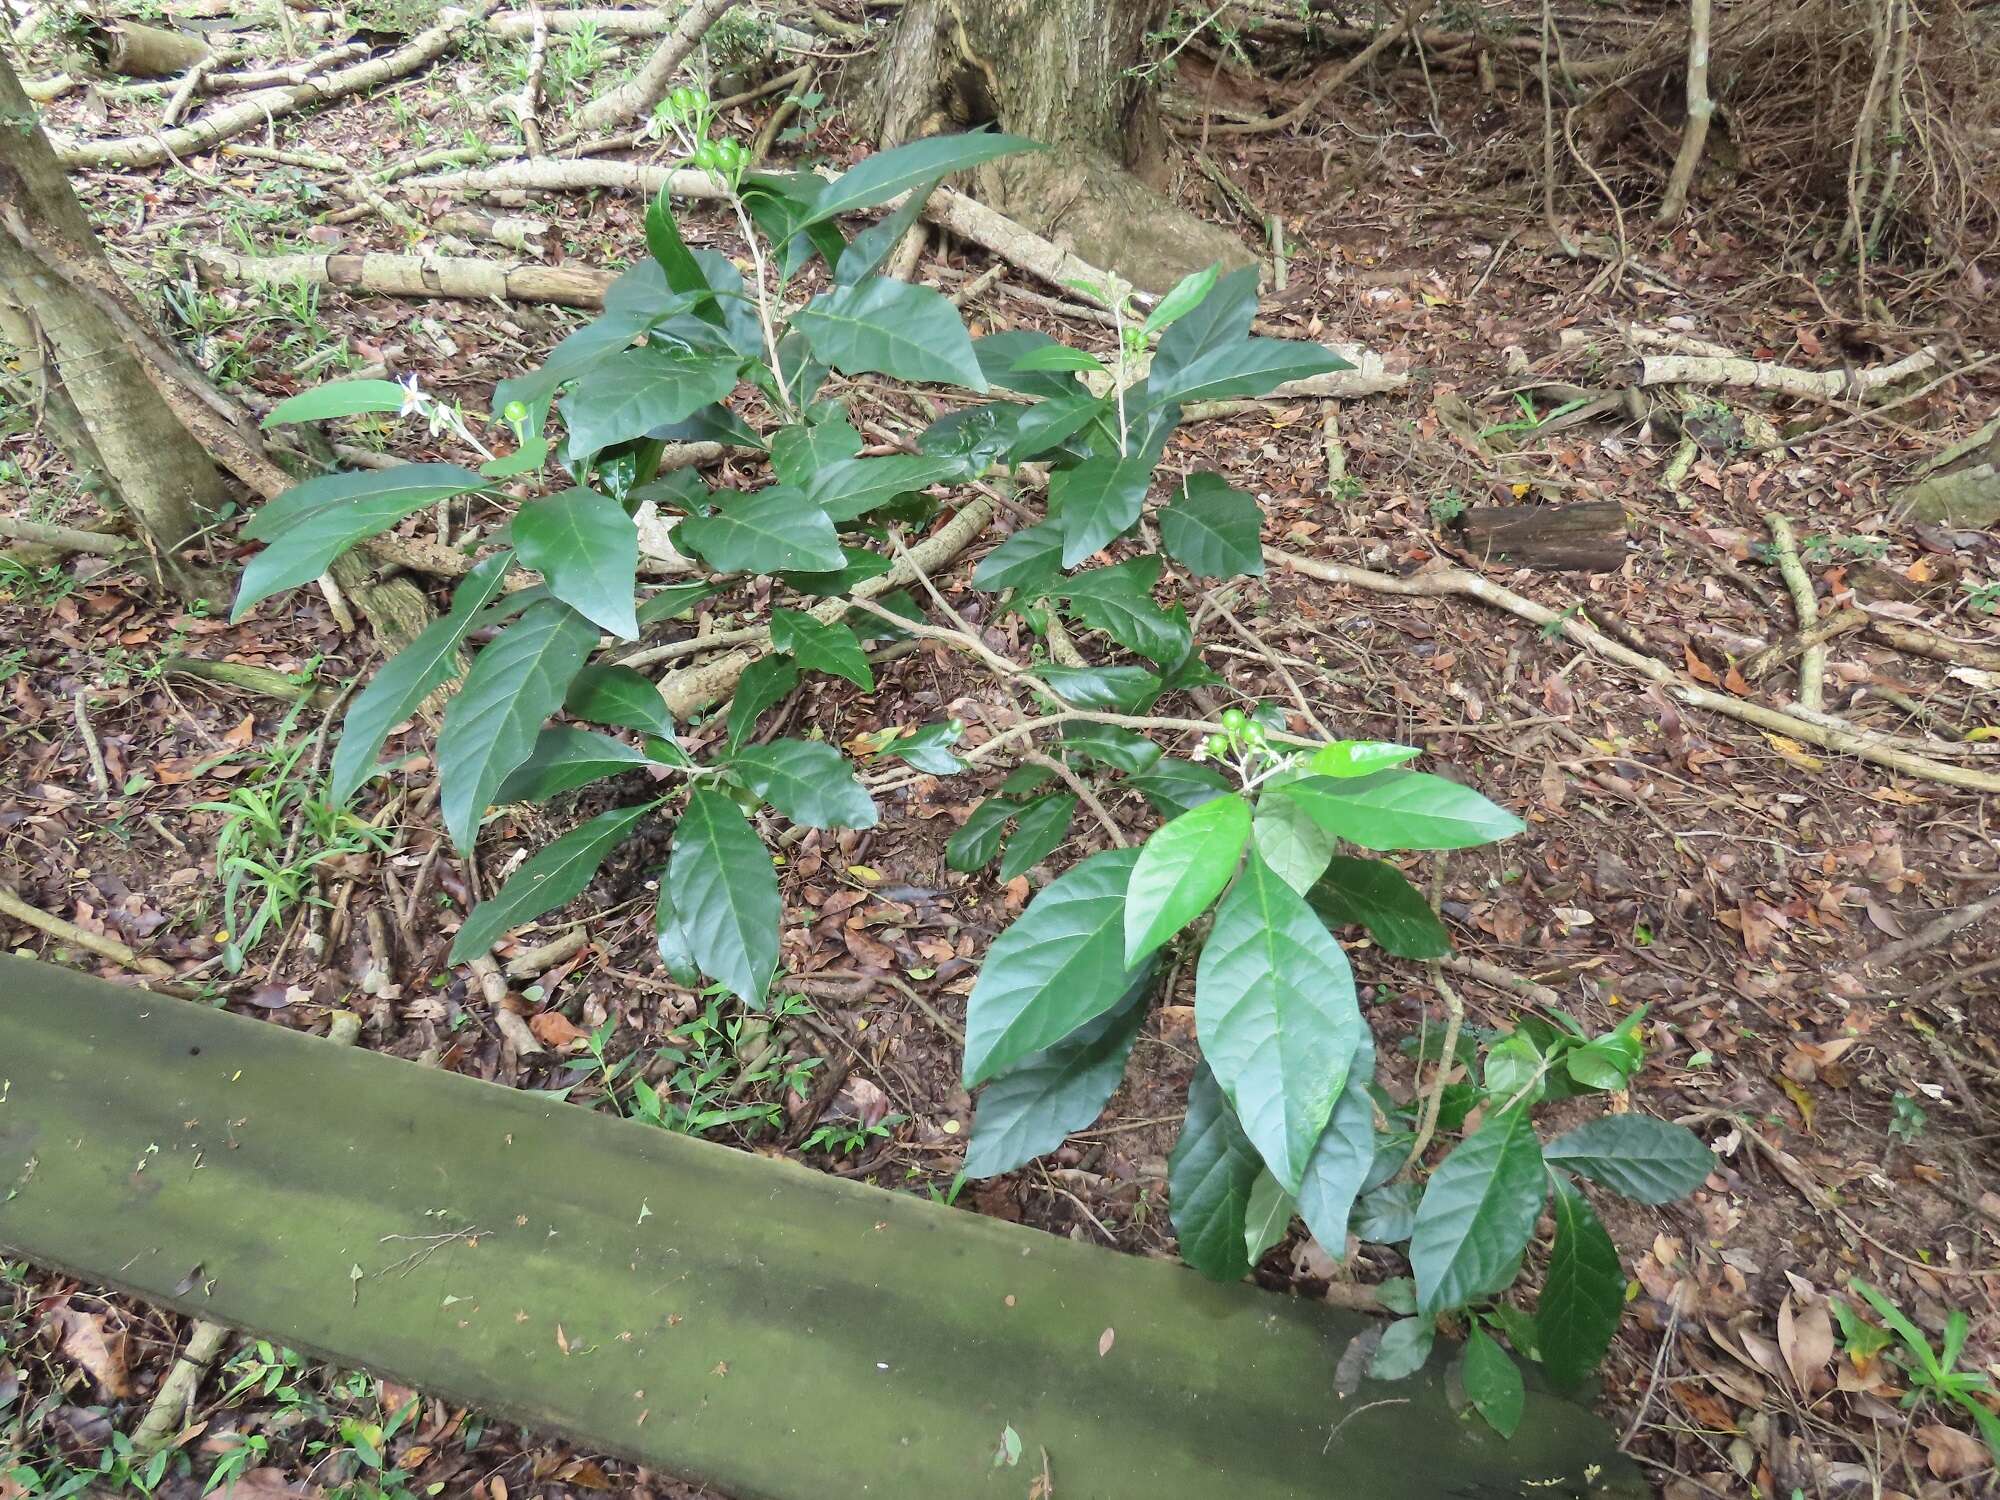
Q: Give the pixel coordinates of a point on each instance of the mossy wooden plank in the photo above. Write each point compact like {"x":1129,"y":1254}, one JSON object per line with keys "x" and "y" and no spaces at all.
{"x":735,"y":1319}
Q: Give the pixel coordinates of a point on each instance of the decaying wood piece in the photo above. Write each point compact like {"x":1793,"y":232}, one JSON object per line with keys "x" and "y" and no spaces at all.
{"x":1807,"y":385}
{"x":410,"y":275}
{"x":1440,"y":583}
{"x":1588,"y":537}
{"x":253,"y":110}
{"x":137,"y":51}
{"x":1805,"y":604}
{"x":1961,"y":486}
{"x":1842,"y":622}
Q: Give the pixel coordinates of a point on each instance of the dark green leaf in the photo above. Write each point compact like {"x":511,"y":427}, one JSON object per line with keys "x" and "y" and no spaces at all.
{"x":619,"y":695}
{"x":977,"y":841}
{"x":1249,"y":367}
{"x":725,"y":893}
{"x":764,"y":682}
{"x":1291,"y":843}
{"x":890,"y":328}
{"x":1058,"y":357}
{"x":565,"y":758}
{"x":1209,"y":1179}
{"x":1212,"y":530}
{"x":632,"y":392}
{"x":682,"y":271}
{"x":998,"y":353}
{"x":1119,"y":601}
{"x":1583,"y":1293}
{"x":1348,"y":758}
{"x":1387,"y":1213}
{"x":808,"y":781}
{"x":1054,"y":422}
{"x":1099,"y":499}
{"x":1492,"y":1382}
{"x":1126,"y":689}
{"x":673,"y":601}
{"x":801,"y":450}
{"x":1060,"y":964}
{"x":339,"y":398}
{"x":1173,"y":786}
{"x":929,"y":749}
{"x":1028,"y":561}
{"x":974,"y":437}
{"x":821,"y":647}
{"x":1379,"y":896}
{"x":553,"y":876}
{"x":490,"y":727}
{"x":407,"y":678}
{"x":1024,"y":779}
{"x":773,"y":529}
{"x":848,"y":488}
{"x":878,"y":241}
{"x":675,"y":951}
{"x":1406,"y":1344}
{"x":1478,"y":1211}
{"x":878,"y":178}
{"x":1039,"y":828}
{"x":1401,"y":810}
{"x":1181,"y":869}
{"x":1034,"y":1105}
{"x":1518,"y":1326}
{"x":1110,"y":744}
{"x":1267,"y":1215}
{"x":1276,"y":1013}
{"x":311,"y":524}
{"x":1220,"y":320}
{"x":861,"y":565}
{"x":1341,"y":1157}
{"x":587,"y":548}
{"x":1643,"y":1158}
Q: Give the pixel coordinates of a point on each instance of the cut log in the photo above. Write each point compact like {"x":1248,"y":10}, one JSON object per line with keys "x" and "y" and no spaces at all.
{"x":1584,"y":538}
{"x":738,"y":1321}
{"x":410,"y":275}
{"x":136,"y":51}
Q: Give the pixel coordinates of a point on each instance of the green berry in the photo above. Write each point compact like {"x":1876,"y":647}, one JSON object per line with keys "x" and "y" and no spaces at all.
{"x":1233,"y":720}
{"x":515,"y":411}
{"x":1255,"y":735}
{"x":1216,"y":745}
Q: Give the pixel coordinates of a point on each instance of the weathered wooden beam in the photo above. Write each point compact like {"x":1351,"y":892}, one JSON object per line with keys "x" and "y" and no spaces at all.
{"x":742,"y":1321}
{"x":1587,"y":537}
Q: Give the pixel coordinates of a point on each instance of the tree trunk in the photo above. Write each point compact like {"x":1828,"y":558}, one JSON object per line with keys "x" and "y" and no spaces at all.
{"x":1060,"y":72}
{"x":57,"y":283}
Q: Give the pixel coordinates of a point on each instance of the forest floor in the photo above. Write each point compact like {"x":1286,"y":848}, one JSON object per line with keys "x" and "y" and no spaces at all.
{"x":1741,"y":884}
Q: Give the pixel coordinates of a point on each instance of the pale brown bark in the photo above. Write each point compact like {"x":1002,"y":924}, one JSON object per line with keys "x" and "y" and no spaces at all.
{"x":54,"y":275}
{"x":1060,"y":72}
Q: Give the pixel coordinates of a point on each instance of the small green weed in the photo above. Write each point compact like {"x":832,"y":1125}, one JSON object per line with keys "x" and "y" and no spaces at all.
{"x":1933,"y":1373}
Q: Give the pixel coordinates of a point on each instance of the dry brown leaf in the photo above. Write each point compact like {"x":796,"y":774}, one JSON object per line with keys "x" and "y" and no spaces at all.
{"x":1805,"y":1338}
{"x":1950,"y":1453}
{"x":91,"y":1344}
{"x":242,"y":734}
{"x":554,"y":1028}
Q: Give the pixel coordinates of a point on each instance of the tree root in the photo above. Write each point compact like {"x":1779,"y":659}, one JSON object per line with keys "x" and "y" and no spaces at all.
{"x":1812,"y":658}
{"x":1806,"y":385}
{"x":1456,"y":582}
{"x":164,"y":1417}
{"x":13,"y":906}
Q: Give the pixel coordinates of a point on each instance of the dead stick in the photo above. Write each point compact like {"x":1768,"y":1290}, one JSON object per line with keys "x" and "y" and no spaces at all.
{"x":13,"y":906}
{"x":1812,"y":660}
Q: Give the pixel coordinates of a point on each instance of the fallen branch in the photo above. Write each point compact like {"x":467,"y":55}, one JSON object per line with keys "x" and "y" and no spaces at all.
{"x":1806,"y":385}
{"x":1694,"y":136}
{"x":633,"y":98}
{"x":1774,"y":656}
{"x":13,"y":906}
{"x":1812,"y":658}
{"x":1931,"y":935}
{"x":152,"y":149}
{"x":171,"y":1402}
{"x":409,"y":275}
{"x":1441,"y":583}
{"x":1384,"y":39}
{"x":65,"y":538}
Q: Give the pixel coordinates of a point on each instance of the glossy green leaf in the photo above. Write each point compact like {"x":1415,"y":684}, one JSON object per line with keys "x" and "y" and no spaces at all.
{"x":977,"y":841}
{"x":849,"y":488}
{"x":1033,"y":1106}
{"x":861,"y":565}
{"x":402,"y":683}
{"x":1181,"y":869}
{"x":672,"y":941}
{"x":1039,"y":829}
{"x":1401,"y":810}
{"x":1220,"y":320}
{"x":1582,"y":1294}
{"x":818,"y":646}
{"x":891,"y":328}
{"x":1247,"y":367}
{"x":339,"y":398}
{"x":1386,"y":1214}
{"x":311,"y":524}
{"x":1111,"y":745}
{"x":1295,"y":847}
{"x":1188,"y":293}
{"x":973,"y":438}
{"x":929,"y":749}
{"x":1511,"y":1072}
{"x":1209,"y":1180}
{"x":808,"y":781}
{"x":1406,"y":1344}
{"x":1346,"y":758}
{"x":491,"y":726}
{"x":587,"y":549}
{"x":1058,"y":357}
{"x":725,"y":894}
{"x":998,"y":353}
{"x":1341,"y":1157}
{"x":1119,"y":601}
{"x":875,"y":244}
{"x":677,"y":264}
{"x":764,"y":682}
{"x":632,"y":392}
{"x":1174,"y":786}
{"x":1058,"y":965}
{"x":1478,"y":1210}
{"x":1378,"y":896}
{"x":878,"y":178}
{"x":773,"y":529}
{"x":802,"y":449}
{"x":1646,"y":1159}
{"x":1028,"y":561}
{"x":1124,"y":688}
{"x":1213,"y":530}
{"x":1276,"y":1013}
{"x":565,"y":758}
{"x":1047,"y":426}
{"x":1266,"y":1216}
{"x":1099,"y":500}
{"x":1492,"y":1382}
{"x":605,"y":694}
{"x":671,"y":602}
{"x":554,"y":875}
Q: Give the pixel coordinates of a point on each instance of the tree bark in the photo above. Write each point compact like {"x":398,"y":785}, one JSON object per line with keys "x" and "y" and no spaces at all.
{"x":57,"y":282}
{"x":1060,"y":72}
